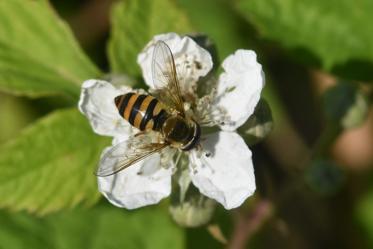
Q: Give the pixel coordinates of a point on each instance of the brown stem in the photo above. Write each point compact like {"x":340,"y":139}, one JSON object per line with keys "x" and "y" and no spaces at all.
{"x":248,"y":224}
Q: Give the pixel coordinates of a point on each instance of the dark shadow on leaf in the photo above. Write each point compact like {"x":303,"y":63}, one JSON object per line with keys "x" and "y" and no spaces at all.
{"x":355,"y":69}
{"x":305,"y":56}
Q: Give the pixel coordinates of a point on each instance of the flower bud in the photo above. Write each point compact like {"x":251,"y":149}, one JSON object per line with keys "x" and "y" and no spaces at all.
{"x":345,"y":105}
{"x":189,"y":207}
{"x":357,"y":112}
{"x":193,"y":213}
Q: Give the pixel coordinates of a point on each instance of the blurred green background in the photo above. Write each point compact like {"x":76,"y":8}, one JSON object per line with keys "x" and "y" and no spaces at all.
{"x":314,"y":171}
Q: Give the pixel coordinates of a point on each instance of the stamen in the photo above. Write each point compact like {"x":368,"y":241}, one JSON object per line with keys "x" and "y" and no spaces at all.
{"x":208,"y":113}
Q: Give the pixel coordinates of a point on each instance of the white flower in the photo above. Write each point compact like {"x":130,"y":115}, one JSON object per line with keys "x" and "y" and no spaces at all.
{"x":224,"y":171}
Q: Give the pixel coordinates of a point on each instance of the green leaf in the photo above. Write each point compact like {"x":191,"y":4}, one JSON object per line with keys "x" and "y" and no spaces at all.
{"x":50,"y":165}
{"x":334,"y":34}
{"x":10,"y":124}
{"x":134,"y":23}
{"x":38,"y":53}
{"x":101,"y":227}
{"x":221,"y":23}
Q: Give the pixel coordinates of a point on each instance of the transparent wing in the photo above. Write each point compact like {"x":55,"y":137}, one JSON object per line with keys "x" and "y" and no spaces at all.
{"x":127,"y":153}
{"x":165,"y":78}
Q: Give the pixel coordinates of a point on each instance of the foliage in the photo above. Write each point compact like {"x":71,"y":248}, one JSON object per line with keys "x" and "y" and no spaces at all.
{"x":38,"y":53}
{"x":134,"y":23}
{"x":50,"y":165}
{"x":333,"y":34}
{"x":100,"y":227}
{"x":220,"y":22}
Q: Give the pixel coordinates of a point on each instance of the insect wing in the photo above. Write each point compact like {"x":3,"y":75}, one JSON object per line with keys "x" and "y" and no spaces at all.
{"x":165,"y":77}
{"x":127,"y":153}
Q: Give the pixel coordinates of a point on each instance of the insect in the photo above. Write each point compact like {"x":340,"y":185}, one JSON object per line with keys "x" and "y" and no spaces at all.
{"x":164,"y":114}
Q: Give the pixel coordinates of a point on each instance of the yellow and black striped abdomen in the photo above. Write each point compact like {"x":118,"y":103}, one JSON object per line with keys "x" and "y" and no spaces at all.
{"x":142,"y":111}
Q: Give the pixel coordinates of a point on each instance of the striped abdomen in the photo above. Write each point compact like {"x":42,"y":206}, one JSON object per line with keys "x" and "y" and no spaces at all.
{"x":142,"y":111}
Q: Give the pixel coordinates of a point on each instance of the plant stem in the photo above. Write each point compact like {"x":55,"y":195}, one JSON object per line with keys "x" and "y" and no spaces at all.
{"x":247,"y":225}
{"x":326,"y":140}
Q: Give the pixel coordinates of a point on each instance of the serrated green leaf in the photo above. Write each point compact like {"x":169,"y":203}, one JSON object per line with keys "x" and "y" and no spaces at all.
{"x":101,"y":227}
{"x":38,"y":53}
{"x":335,"y":34}
{"x":134,"y":23}
{"x":50,"y":165}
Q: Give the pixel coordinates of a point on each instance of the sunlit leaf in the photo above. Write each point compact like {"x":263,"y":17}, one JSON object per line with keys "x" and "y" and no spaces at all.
{"x":50,"y":165}
{"x":334,"y":34}
{"x":38,"y":53}
{"x":100,"y":227}
{"x":134,"y":23}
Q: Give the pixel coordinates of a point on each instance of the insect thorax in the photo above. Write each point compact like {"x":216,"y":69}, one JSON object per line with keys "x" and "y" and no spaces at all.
{"x":180,"y":133}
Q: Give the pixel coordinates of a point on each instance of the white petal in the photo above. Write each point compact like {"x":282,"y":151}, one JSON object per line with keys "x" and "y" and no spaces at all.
{"x":227,"y":174}
{"x":97,"y":104}
{"x":131,"y":188}
{"x":185,"y":52}
{"x":239,"y":87}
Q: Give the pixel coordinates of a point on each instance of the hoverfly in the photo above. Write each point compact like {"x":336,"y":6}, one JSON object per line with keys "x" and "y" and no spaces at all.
{"x":165,"y":115}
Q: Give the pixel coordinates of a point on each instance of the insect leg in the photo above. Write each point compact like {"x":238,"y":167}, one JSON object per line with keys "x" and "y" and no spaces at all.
{"x":140,"y":133}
